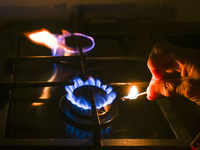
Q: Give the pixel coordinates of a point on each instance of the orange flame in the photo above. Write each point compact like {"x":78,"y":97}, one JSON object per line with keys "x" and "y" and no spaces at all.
{"x":46,"y":93}
{"x":37,"y":104}
{"x":133,"y":93}
{"x":43,"y":37}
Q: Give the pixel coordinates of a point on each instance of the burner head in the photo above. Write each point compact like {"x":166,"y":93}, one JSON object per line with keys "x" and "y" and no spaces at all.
{"x":68,"y":44}
{"x":77,"y":94}
{"x":76,"y":105}
{"x":84,"y":100}
{"x":86,"y":122}
{"x":71,"y":41}
{"x":72,"y":44}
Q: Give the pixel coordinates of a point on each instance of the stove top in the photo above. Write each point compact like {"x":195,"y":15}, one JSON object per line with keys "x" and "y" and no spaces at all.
{"x":33,"y":112}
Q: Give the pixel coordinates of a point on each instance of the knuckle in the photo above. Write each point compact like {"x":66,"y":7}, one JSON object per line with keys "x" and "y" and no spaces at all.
{"x":168,"y":88}
{"x":185,"y":88}
{"x":190,"y":89}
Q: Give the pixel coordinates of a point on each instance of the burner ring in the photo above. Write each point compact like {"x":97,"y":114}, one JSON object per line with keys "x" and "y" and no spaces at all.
{"x":83,"y":122}
{"x":82,"y":93}
{"x":63,"y":49}
{"x":103,"y":94}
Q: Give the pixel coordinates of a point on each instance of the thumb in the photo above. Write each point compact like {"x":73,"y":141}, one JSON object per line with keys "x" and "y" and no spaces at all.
{"x":187,"y":87}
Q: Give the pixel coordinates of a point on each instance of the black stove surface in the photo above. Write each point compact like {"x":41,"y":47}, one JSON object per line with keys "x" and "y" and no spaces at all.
{"x":28,"y":121}
{"x":32,"y":114}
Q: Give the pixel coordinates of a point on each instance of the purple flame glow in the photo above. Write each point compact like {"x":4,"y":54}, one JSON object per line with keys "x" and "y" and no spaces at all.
{"x":63,"y":49}
{"x":57,"y":42}
{"x":82,"y":102}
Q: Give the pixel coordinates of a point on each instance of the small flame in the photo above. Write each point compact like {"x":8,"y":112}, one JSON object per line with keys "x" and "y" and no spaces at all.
{"x":133,"y":94}
{"x":43,"y":37}
{"x":37,"y":104}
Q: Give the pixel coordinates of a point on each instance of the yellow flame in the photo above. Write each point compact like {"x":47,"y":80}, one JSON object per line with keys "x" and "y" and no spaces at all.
{"x":37,"y":104}
{"x":43,"y":37}
{"x":133,"y":93}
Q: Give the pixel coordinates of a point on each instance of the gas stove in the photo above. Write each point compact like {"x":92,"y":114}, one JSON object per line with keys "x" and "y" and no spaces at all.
{"x":74,"y":100}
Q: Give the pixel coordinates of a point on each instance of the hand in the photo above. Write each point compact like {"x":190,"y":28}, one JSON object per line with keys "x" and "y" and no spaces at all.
{"x":164,"y":62}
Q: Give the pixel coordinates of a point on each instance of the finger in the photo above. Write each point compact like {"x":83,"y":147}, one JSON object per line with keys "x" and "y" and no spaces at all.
{"x":186,"y":87}
{"x":163,"y":87}
{"x":158,"y":59}
{"x":155,"y":62}
{"x":155,"y":67}
{"x":190,"y":89}
{"x":168,"y":87}
{"x":163,"y":58}
{"x":151,"y":93}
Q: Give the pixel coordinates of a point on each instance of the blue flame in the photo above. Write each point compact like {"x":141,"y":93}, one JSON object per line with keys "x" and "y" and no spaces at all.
{"x":81,"y":102}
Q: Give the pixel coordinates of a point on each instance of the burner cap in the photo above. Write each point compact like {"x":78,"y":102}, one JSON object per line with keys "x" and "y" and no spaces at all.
{"x":82,"y":93}
{"x":84,"y":122}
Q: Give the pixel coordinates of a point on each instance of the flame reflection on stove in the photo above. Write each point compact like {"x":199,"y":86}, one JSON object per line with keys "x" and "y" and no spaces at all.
{"x":80,"y":133}
{"x":81,"y":102}
{"x":37,"y":104}
{"x":46,"y":90}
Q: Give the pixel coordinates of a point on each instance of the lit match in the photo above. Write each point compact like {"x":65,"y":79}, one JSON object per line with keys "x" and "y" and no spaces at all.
{"x":133,"y":94}
{"x":134,"y":97}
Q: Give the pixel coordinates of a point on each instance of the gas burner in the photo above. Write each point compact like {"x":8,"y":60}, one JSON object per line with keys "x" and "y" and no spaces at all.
{"x":59,"y":44}
{"x":81,"y":100}
{"x":67,"y":44}
{"x":77,"y":93}
{"x":76,"y":104}
{"x":74,"y":44}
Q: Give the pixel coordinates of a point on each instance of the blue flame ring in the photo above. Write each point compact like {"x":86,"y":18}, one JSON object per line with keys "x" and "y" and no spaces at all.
{"x":81,"y":102}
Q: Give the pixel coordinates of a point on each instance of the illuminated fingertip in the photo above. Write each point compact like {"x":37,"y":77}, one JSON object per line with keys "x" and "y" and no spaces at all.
{"x":151,"y":98}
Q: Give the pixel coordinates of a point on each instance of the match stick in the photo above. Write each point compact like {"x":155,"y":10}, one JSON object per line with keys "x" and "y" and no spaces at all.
{"x":136,"y":96}
{"x":143,"y":93}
